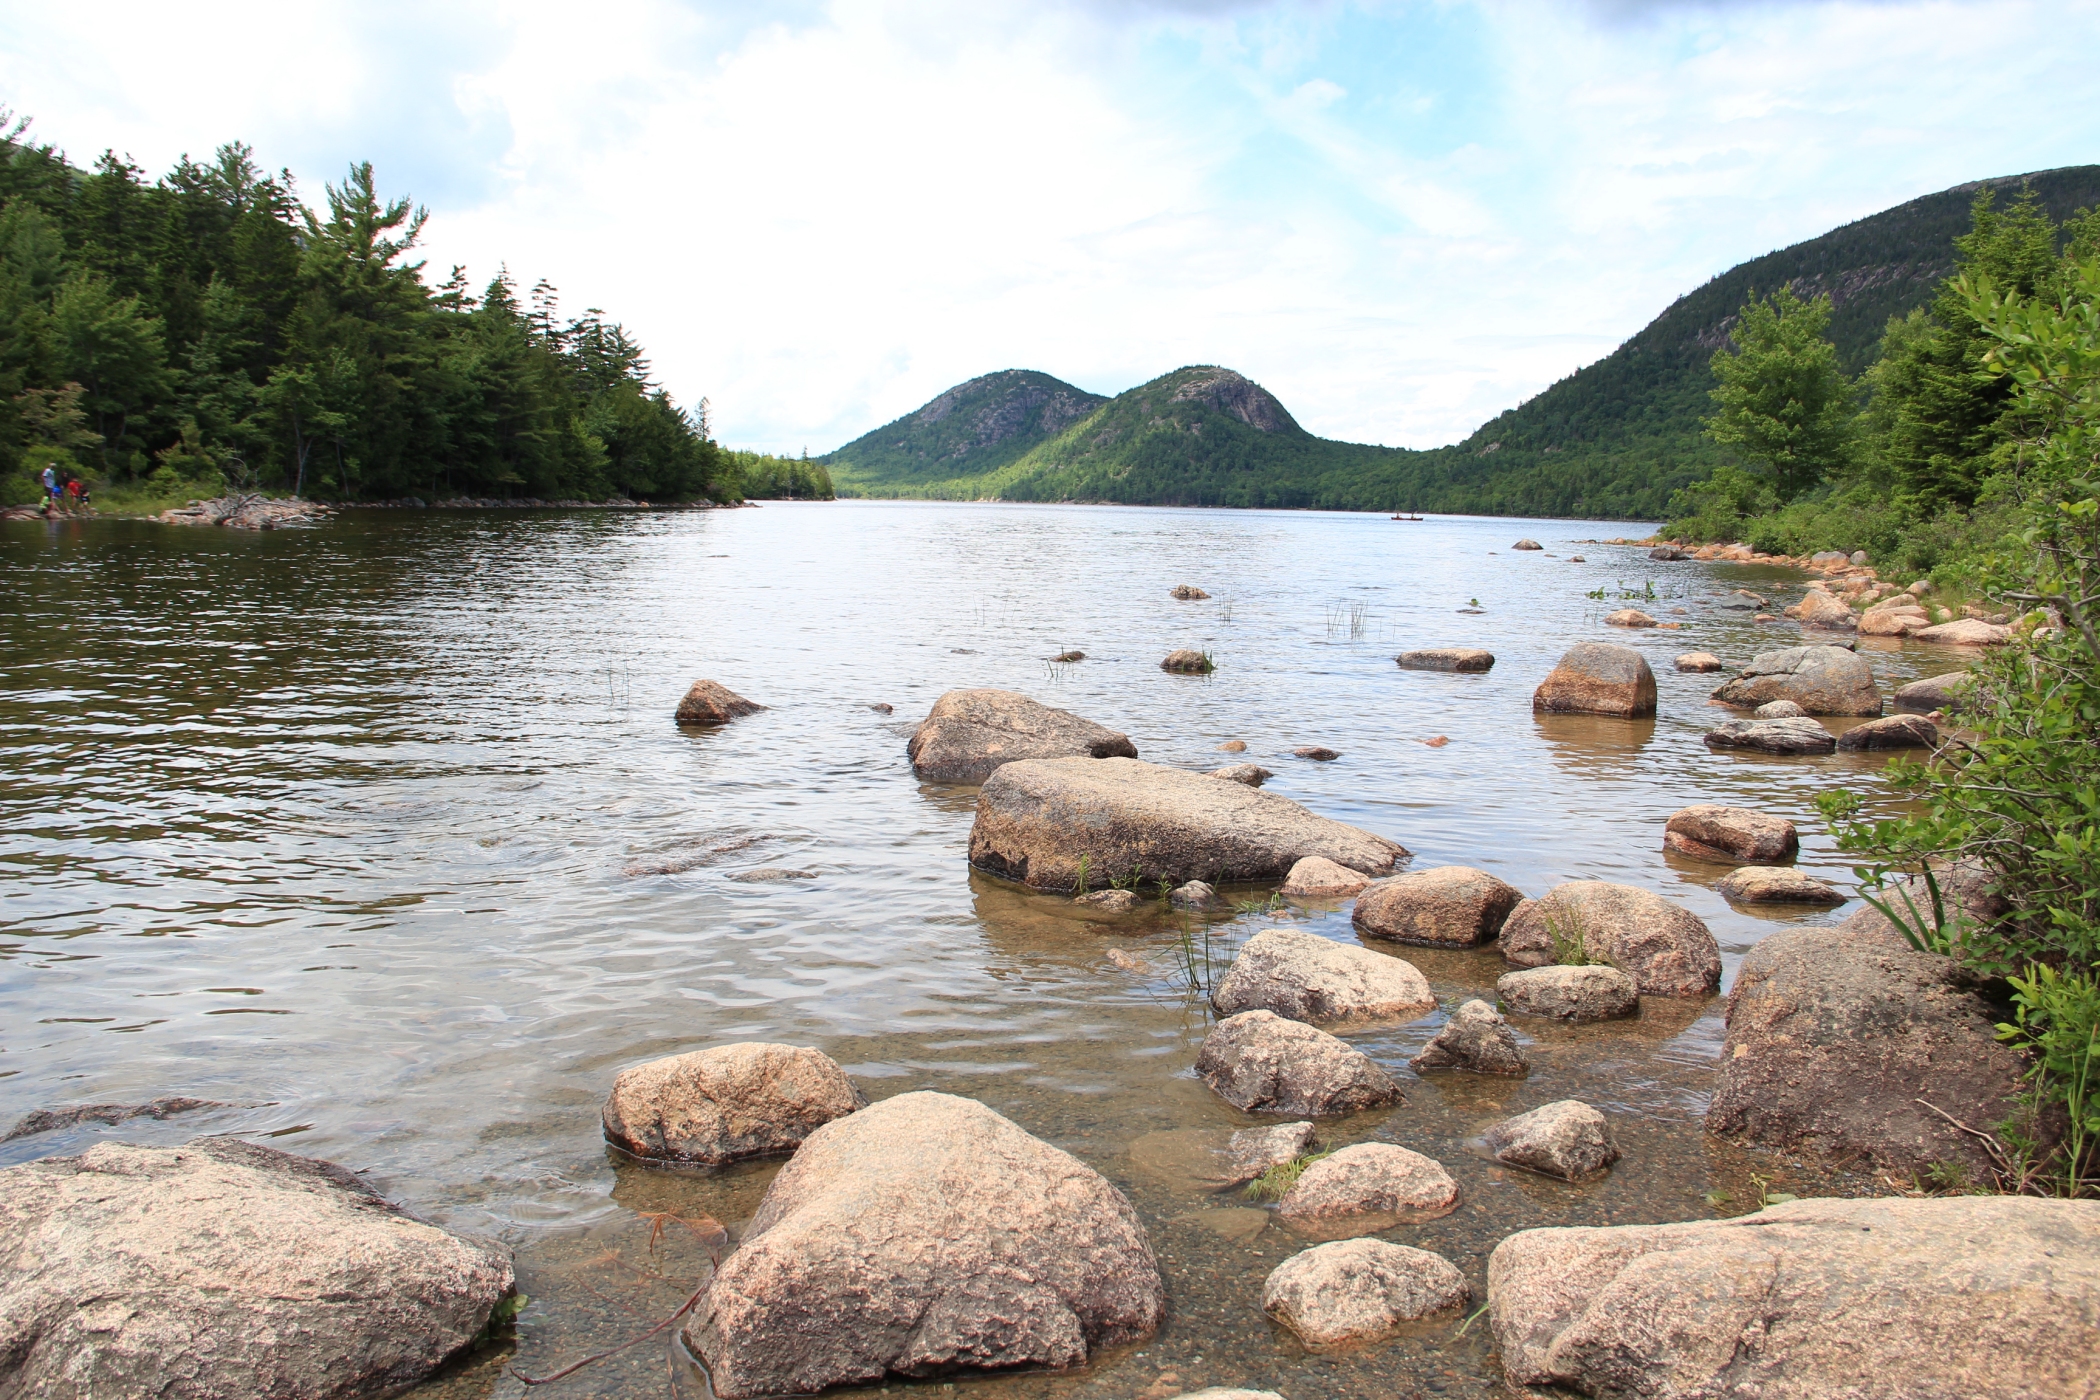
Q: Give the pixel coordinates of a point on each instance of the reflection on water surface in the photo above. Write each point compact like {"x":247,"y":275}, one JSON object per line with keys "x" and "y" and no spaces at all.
{"x":379,"y":834}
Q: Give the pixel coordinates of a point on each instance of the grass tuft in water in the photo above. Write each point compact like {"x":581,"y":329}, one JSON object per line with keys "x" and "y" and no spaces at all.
{"x":1272,"y":1184}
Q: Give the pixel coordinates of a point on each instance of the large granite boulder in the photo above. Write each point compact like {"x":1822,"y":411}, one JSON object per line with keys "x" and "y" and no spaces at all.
{"x":1774,"y":884}
{"x":1321,"y":982}
{"x":1822,"y":680}
{"x":1368,"y":1187}
{"x":1975,"y":1297}
{"x":1846,"y":1041}
{"x":1665,"y":948}
{"x":1730,"y":835}
{"x":1592,"y":992}
{"x":1038,"y":817}
{"x":1353,"y":1292}
{"x":224,"y":1269}
{"x":1789,"y":736}
{"x":1891,"y":732}
{"x":1465,"y":659}
{"x":711,"y":702}
{"x":925,"y":1235}
{"x":968,"y":734}
{"x":1965,"y":632}
{"x":1476,"y":1038}
{"x":1451,"y":906}
{"x":1943,"y":692}
{"x":727,"y":1103}
{"x":1598,"y":678}
{"x":1568,"y":1139}
{"x":1260,"y":1062}
{"x":1820,"y":609}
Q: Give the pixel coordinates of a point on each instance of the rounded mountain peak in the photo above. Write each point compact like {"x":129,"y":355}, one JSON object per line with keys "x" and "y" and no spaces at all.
{"x":1233,"y":394}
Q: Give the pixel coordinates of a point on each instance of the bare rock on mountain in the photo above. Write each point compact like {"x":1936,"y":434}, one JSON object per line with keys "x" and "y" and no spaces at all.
{"x":1036,"y":819}
{"x":1235,"y":396}
{"x":225,"y":1269}
{"x":924,"y":1235}
{"x":968,"y":734}
{"x":1970,"y":1296}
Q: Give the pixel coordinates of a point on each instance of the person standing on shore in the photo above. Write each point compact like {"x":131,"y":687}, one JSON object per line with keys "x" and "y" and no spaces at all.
{"x":50,"y":485}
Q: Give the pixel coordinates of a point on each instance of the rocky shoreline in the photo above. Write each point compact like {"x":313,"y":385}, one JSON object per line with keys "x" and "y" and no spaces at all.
{"x":925,"y":1235}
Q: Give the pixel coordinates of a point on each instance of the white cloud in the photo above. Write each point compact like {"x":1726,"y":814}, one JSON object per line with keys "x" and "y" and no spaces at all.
{"x":1402,"y":219}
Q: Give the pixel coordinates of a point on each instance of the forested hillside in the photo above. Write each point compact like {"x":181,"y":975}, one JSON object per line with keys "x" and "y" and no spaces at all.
{"x":169,"y":336}
{"x":1615,"y":439}
{"x":972,"y":430}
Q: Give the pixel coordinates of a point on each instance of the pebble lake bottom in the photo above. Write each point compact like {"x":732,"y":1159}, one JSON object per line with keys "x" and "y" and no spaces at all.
{"x":379,"y":835}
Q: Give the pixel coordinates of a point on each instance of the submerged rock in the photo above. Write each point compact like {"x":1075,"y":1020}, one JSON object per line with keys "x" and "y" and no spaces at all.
{"x":1317,"y":877}
{"x":710,"y":702}
{"x":726,"y":1103}
{"x":1698,"y":661}
{"x":1770,"y":884}
{"x":1598,"y":678}
{"x":1353,"y":1292}
{"x":1527,"y":545}
{"x":1110,"y":901}
{"x":1189,"y":593}
{"x":1316,"y":753}
{"x":968,"y":734}
{"x":1593,"y":992}
{"x":1036,"y":818}
{"x":1193,"y":895}
{"x":1260,"y":1062}
{"x":1368,"y":1187}
{"x":1251,"y":774}
{"x":925,"y":1235}
{"x":1568,"y":1139}
{"x":1476,"y":1038}
{"x":1319,"y":981}
{"x":225,"y":1269}
{"x":1450,"y":906}
{"x":1186,"y":661}
{"x":1823,"y":680}
{"x":1787,"y":736}
{"x":1628,"y":617}
{"x":1233,"y":746}
{"x":1464,"y":659}
{"x":1731,"y":835}
{"x":1839,"y":1039}
{"x":1891,"y":732}
{"x":1665,"y":948}
{"x":45,"y":1120}
{"x":1977,"y":1297}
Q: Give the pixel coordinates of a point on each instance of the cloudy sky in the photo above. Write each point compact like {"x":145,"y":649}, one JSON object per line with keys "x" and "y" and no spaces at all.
{"x":1401,"y":218}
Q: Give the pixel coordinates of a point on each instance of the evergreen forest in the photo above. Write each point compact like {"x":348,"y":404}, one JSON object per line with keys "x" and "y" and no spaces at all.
{"x":174,"y":337}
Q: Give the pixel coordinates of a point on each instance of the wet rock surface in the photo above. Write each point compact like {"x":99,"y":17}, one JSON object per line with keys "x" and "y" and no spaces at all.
{"x":1317,"y":877}
{"x":1449,"y":906}
{"x":1598,"y":678}
{"x":1891,"y":732}
{"x":1779,"y":709}
{"x":1845,"y":1041}
{"x":225,"y":1269}
{"x":1699,"y":661}
{"x":1187,"y":662}
{"x":1476,"y":1038}
{"x":710,"y":702}
{"x":1471,"y":660}
{"x":923,"y":1235}
{"x":1251,"y":774}
{"x":1260,"y":1062}
{"x":1193,"y":895}
{"x":1354,"y":1292}
{"x":1367,"y":1187}
{"x":1772,"y":884}
{"x":1823,"y":680}
{"x":1575,"y":994}
{"x":727,"y":1103}
{"x":1253,"y":1151}
{"x":1111,"y":901}
{"x":1711,"y":831}
{"x":1665,"y":948}
{"x":45,"y":1120}
{"x":1781,"y":736}
{"x":1966,"y":1296}
{"x":969,"y":734}
{"x":1942,"y":692}
{"x":1628,"y":617}
{"x":1036,"y":818}
{"x":1321,"y":982}
{"x":1568,"y":1139}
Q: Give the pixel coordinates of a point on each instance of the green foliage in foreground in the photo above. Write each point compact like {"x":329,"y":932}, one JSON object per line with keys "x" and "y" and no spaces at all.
{"x":167,"y":338}
{"x":2019,"y":797}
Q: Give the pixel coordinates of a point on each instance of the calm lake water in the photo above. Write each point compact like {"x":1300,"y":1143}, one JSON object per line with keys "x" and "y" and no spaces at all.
{"x":380,"y":835}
